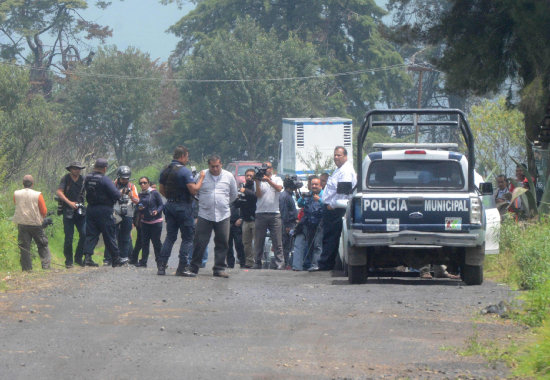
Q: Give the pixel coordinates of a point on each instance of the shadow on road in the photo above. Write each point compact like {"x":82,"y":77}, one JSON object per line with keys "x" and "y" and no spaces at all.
{"x":403,"y":281}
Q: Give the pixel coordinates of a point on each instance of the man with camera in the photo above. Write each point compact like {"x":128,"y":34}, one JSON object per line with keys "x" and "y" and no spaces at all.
{"x":177,"y":185}
{"x":289,"y":214}
{"x":343,"y":178}
{"x":310,"y":226}
{"x":101,"y":195}
{"x":268,"y":217}
{"x":71,"y":199}
{"x":30,"y":211}
{"x":124,"y":213}
{"x":247,"y":205}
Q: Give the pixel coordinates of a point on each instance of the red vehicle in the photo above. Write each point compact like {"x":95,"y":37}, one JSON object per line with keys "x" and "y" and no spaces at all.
{"x":238,"y":168}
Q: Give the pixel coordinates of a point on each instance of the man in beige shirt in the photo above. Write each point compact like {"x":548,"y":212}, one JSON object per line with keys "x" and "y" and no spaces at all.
{"x":30,"y":210}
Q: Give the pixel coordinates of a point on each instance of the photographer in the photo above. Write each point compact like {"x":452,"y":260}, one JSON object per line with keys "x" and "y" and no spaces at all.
{"x":289,"y":214}
{"x":71,"y":197}
{"x":268,"y":189}
{"x":124,"y":214}
{"x":310,"y":226}
{"x":247,"y":205}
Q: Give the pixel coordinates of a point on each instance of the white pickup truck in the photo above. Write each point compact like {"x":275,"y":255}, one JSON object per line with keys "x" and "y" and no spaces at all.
{"x":418,"y":203}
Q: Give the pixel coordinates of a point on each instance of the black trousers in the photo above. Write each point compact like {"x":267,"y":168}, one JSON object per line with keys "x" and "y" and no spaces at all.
{"x":150,"y":233}
{"x":100,"y":220}
{"x":78,"y":221}
{"x":332,"y":229}
{"x":235,"y":237}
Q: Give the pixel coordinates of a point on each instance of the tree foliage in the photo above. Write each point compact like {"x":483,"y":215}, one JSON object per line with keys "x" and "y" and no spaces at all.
{"x":30,"y":26}
{"x":488,"y":43}
{"x":499,"y":135}
{"x":345,"y":35}
{"x":109,"y":103}
{"x":242,"y":114}
{"x":27,"y":121}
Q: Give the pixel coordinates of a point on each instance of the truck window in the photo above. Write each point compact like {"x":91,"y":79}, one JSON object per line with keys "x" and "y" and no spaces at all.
{"x":243,"y":169}
{"x":417,"y":174}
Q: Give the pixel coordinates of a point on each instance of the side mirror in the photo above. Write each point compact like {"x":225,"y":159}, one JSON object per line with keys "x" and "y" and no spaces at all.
{"x":342,"y":203}
{"x":486,"y":188}
{"x":344,"y":188}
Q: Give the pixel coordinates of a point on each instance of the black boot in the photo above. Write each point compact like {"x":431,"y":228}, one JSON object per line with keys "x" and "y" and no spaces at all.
{"x":78,"y":261}
{"x":88,"y":262}
{"x":119,"y":262}
{"x":161,"y":269}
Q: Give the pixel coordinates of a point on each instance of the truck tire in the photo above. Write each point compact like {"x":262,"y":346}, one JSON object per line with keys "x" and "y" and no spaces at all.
{"x":357,"y":274}
{"x":472,"y":274}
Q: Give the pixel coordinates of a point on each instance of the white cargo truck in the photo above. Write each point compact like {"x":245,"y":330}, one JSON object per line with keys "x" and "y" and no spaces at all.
{"x":312,"y":140}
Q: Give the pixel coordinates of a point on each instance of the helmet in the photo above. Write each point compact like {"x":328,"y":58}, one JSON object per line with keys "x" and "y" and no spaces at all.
{"x":123,"y":172}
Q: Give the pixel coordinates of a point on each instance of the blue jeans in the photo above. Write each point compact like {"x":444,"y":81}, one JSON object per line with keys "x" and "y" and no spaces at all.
{"x":300,"y":244}
{"x":179,"y":217}
{"x":78,"y":221}
{"x":314,"y":238}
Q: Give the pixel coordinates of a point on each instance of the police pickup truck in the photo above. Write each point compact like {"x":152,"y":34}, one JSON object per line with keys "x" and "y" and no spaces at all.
{"x":418,"y":203}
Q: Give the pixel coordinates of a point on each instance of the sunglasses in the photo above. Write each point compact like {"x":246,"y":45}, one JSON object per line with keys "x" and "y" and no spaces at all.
{"x":143,"y":183}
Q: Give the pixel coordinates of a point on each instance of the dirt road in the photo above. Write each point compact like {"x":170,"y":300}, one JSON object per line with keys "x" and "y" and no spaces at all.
{"x":129,"y":323}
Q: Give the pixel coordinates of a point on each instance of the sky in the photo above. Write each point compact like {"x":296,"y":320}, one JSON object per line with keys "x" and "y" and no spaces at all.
{"x":140,"y":23}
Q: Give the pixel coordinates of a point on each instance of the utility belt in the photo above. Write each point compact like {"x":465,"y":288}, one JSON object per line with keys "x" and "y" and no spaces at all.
{"x":178,"y":200}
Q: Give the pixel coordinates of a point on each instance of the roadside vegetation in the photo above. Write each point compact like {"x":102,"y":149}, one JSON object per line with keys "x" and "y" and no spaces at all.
{"x":524,"y":264}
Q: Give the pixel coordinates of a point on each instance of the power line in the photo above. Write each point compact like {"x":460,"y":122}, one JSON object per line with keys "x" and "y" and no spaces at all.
{"x":182,"y":80}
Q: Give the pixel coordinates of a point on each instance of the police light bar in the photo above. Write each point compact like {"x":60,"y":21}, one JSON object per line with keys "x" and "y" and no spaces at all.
{"x":415,"y":152}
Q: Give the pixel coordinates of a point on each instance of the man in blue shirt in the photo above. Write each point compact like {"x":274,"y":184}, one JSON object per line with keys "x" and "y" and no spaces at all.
{"x":101,"y":195}
{"x":177,"y":185}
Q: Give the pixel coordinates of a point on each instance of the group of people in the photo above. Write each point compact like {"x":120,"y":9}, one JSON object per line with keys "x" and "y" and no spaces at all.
{"x":194,"y":205}
{"x":508,"y":198}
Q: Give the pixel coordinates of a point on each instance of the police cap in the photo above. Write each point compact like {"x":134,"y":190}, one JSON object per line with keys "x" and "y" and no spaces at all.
{"x":101,"y":163}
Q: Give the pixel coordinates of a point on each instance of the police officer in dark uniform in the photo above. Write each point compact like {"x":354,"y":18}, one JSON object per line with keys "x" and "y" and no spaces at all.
{"x":177,"y":185}
{"x":101,"y":195}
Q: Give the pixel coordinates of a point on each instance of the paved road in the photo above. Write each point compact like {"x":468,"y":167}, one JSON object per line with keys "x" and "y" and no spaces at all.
{"x":129,"y":323}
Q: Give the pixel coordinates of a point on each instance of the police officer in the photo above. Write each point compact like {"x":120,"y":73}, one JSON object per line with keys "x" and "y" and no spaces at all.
{"x":101,"y":195}
{"x":124,"y":213}
{"x":70,"y":191}
{"x":177,"y":185}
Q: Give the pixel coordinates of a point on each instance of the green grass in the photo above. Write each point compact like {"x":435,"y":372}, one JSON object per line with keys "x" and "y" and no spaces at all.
{"x":524,"y":264}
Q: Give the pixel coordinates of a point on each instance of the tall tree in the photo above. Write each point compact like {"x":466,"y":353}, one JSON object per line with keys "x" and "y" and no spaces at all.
{"x":243,"y":114}
{"x":489,"y":43}
{"x":26,"y":123}
{"x":345,"y":35}
{"x":110,"y":100}
{"x":52,"y":31}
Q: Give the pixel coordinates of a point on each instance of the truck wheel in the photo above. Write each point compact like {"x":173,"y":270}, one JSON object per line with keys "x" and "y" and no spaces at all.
{"x":357,"y":274}
{"x":472,"y":274}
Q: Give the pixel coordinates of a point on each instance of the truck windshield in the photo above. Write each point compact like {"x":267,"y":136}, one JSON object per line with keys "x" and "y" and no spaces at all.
{"x":244,"y":168}
{"x":417,"y":174}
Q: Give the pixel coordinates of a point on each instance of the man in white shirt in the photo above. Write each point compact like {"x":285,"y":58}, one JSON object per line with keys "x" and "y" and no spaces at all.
{"x":268,"y":216}
{"x":218,"y":190}
{"x":332,"y":216}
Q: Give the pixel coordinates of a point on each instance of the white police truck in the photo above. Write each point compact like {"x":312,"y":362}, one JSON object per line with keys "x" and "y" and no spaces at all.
{"x":418,"y":203}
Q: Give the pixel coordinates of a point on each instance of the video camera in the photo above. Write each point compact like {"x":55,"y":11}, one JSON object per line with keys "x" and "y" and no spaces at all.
{"x":260,"y":172}
{"x":47,"y":222}
{"x":292,"y":182}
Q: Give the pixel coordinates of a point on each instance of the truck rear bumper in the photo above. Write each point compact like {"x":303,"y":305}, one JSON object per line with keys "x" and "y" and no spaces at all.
{"x":364,"y":239}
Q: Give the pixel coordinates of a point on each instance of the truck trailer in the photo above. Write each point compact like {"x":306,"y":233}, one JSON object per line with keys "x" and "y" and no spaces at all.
{"x":307,"y":141}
